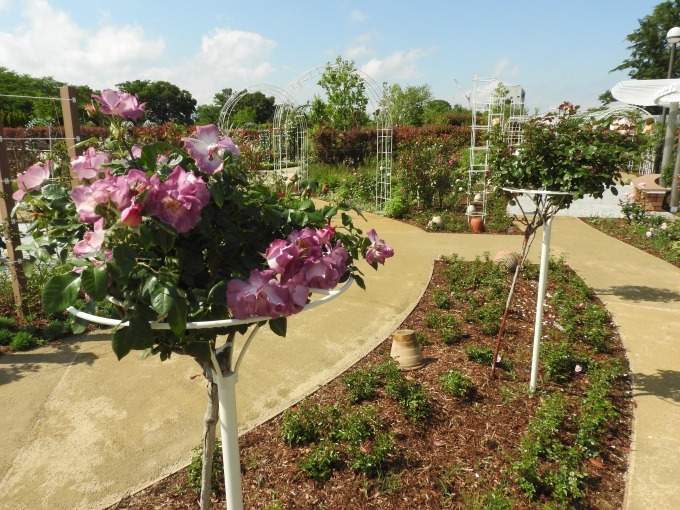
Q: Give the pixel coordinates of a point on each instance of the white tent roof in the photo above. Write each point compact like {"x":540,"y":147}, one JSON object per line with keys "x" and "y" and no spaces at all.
{"x":647,"y":92}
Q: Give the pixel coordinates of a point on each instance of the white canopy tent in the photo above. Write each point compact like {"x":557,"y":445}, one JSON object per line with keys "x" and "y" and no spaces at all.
{"x":662,"y":93}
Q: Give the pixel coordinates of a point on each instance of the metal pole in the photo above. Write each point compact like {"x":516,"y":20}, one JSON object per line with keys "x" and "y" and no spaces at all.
{"x":670,"y":135}
{"x":675,"y":182}
{"x":542,"y":281}
{"x":667,"y":149}
{"x":226,"y":391}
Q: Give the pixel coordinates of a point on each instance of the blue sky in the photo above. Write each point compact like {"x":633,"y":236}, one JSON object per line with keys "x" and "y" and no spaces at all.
{"x":556,"y":50}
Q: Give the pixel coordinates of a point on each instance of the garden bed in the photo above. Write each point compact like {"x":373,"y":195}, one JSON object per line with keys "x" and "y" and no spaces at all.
{"x":432,"y":439}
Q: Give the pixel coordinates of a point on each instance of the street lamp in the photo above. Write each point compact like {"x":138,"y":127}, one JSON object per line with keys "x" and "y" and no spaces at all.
{"x":673,"y":38}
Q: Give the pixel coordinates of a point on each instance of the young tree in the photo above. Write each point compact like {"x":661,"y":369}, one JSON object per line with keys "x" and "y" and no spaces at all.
{"x":165,"y":102}
{"x":650,"y":53}
{"x":407,"y":106}
{"x":434,"y":111}
{"x":346,"y":93}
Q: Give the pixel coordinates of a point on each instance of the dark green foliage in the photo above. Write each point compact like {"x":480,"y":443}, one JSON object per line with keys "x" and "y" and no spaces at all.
{"x":361,"y":384}
{"x":196,"y":466}
{"x":5,"y":336}
{"x":54,"y":330}
{"x":412,"y":398}
{"x":321,"y":462}
{"x":307,"y":423}
{"x":374,"y":461}
{"x":22,"y":341}
{"x":7,"y":323}
{"x":481,"y":355}
{"x":456,"y":383}
{"x":358,"y":426}
{"x":560,"y":361}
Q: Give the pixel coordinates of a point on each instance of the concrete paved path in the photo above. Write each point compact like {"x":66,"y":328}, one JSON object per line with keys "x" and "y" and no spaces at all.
{"x":81,"y":429}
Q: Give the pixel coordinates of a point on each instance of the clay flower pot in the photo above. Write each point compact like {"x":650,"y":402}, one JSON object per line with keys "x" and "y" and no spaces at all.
{"x":477,"y":224}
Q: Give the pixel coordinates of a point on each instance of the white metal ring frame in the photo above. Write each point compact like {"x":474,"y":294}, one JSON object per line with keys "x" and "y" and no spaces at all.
{"x":226,"y":386}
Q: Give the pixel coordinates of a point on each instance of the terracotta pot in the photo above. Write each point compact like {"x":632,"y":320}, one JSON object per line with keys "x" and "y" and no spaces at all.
{"x":477,"y":224}
{"x":405,"y":350}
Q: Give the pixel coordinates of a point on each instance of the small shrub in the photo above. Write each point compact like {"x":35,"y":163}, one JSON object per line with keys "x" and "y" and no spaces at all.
{"x":22,"y":341}
{"x":455,"y":383}
{"x":481,"y":355}
{"x":307,"y":423}
{"x":374,"y":461}
{"x":321,"y":462}
{"x":7,"y":323}
{"x":412,"y":398}
{"x":5,"y":336}
{"x":446,"y":325}
{"x":442,"y":299}
{"x":559,"y":360}
{"x":196,"y":467}
{"x":357,"y":427}
{"x":397,"y":206}
{"x":53,"y":330}
{"x":361,"y":384}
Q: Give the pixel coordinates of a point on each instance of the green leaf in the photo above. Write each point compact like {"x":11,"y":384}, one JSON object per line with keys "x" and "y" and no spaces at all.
{"x":279,"y":326}
{"x":123,"y":262}
{"x":95,"y":281}
{"x":218,"y":198}
{"x":137,"y":335}
{"x":120,"y":343}
{"x":60,"y":292}
{"x":199,"y":350}
{"x":162,"y":299}
{"x":53,"y":191}
{"x":306,"y":205}
{"x":218,"y":294}
{"x":177,"y":316}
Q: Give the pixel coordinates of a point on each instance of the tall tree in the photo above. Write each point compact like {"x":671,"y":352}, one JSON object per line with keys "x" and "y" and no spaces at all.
{"x":407,"y":106}
{"x":649,"y":51}
{"x":165,"y":102}
{"x":252,"y":107}
{"x":346,"y":95}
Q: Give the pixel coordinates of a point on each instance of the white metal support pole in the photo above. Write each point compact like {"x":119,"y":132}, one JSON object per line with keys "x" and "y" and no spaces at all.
{"x":670,"y":135}
{"x":542,"y":281}
{"x":226,"y":391}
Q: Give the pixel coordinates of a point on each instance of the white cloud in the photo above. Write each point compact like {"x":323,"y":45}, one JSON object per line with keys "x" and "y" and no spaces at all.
{"x":96,"y":57}
{"x":357,"y":16}
{"x":5,"y":4}
{"x":503,"y":71}
{"x":397,"y":67}
{"x":103,"y":56}
{"x":360,"y":47}
{"x":228,"y":58}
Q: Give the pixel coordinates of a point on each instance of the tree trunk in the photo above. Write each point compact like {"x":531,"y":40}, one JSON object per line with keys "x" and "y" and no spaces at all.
{"x":209,"y":429}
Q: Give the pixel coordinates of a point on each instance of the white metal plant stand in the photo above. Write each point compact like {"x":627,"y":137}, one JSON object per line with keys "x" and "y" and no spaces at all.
{"x":226,"y":385}
{"x":546,"y":209}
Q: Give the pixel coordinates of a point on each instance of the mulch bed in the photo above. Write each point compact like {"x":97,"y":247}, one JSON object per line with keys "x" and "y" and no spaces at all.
{"x":455,"y":460}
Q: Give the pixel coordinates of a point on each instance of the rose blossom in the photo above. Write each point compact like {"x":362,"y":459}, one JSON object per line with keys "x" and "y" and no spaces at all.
{"x":31,"y":180}
{"x":121,"y":104}
{"x":177,"y":201}
{"x":379,"y":250}
{"x":260,"y":296}
{"x":208,"y":150}
{"x":89,"y":164}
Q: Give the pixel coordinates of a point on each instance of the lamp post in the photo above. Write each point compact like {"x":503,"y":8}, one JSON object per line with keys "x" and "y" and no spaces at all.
{"x":673,"y":38}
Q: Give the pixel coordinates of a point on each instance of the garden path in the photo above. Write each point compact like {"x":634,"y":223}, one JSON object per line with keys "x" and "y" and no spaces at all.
{"x":82,"y":429}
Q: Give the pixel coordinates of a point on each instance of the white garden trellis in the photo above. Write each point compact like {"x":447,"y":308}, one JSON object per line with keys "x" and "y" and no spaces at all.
{"x":69,"y":107}
{"x":290,"y":132}
{"x":490,"y":108}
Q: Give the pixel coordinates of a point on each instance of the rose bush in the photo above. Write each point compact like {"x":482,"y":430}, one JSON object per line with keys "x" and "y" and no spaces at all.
{"x":178,"y":234}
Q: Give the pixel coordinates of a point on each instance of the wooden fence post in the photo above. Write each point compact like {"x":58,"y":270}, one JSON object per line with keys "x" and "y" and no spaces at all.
{"x":69,"y":109}
{"x":11,"y":231}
